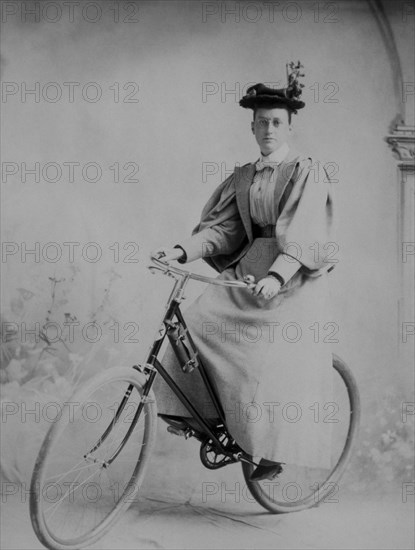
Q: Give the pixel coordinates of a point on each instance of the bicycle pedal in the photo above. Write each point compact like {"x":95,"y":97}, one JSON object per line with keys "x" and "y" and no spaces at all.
{"x":177,"y":431}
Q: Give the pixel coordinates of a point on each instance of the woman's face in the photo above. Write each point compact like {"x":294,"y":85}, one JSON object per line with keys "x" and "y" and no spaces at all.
{"x":271,"y":128}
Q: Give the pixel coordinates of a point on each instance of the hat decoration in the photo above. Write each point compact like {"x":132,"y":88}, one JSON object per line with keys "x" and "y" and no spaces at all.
{"x":261,"y":95}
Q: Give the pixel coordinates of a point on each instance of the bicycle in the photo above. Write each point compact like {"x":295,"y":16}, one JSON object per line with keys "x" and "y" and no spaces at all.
{"x":93,"y":460}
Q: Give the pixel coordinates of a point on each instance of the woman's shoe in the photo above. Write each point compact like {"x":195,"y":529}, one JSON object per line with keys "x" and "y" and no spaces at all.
{"x":175,"y":421}
{"x":266,"y":472}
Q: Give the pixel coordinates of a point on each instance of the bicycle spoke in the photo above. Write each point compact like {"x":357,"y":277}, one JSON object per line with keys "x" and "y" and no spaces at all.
{"x":299,"y":487}
{"x":65,"y":474}
{"x":91,"y":487}
{"x":56,"y":504}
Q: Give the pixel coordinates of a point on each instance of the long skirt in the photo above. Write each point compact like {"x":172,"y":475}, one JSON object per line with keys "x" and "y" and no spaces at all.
{"x":269,"y":360}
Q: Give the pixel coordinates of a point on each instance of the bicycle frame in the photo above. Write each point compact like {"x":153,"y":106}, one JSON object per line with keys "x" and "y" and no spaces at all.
{"x":217,"y":447}
{"x":153,"y":366}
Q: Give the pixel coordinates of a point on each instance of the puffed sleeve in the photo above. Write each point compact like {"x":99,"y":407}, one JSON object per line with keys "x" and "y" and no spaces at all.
{"x":220,"y":230}
{"x":305,"y":228}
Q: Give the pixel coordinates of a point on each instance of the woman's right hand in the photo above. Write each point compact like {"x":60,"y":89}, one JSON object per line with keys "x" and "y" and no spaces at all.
{"x":167,"y":254}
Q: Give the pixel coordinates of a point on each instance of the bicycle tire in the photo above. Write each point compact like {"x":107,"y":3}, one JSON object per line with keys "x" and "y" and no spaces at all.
{"x":50,"y":530}
{"x":275,"y":506}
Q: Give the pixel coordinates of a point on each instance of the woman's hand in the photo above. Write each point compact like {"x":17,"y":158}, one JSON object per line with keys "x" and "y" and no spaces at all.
{"x":268,"y":288}
{"x":167,"y":254}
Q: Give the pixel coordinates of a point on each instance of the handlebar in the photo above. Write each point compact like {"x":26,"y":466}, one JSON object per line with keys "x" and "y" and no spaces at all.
{"x":177,"y":272}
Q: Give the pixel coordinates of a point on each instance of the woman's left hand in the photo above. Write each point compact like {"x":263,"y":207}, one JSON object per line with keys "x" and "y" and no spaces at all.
{"x":268,"y":288}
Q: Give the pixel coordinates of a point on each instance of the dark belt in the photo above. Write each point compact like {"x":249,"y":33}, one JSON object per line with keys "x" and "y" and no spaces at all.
{"x":267,"y":231}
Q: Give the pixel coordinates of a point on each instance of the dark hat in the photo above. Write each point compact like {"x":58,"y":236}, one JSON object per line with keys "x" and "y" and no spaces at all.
{"x":261,"y":95}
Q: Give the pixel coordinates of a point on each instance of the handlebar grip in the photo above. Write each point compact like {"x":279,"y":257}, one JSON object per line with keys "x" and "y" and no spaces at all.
{"x":249,"y":279}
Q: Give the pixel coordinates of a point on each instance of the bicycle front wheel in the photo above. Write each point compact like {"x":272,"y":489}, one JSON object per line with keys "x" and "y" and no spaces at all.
{"x":93,"y":459}
{"x":299,"y":487}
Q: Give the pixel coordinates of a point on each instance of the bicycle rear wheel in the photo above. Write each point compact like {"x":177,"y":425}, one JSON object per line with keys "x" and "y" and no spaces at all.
{"x":93,"y":459}
{"x":298,"y":488}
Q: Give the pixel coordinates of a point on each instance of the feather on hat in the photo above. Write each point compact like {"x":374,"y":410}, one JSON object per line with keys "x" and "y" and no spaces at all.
{"x":261,"y":95}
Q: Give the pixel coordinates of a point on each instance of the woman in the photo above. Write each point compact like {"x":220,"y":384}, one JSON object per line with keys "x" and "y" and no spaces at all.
{"x":271,"y":219}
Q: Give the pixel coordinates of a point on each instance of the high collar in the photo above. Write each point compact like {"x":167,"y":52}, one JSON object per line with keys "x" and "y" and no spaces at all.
{"x":276,"y":157}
